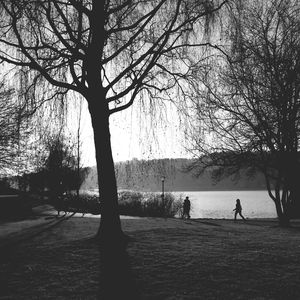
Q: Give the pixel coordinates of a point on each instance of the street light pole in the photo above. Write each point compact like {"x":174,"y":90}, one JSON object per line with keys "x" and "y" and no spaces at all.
{"x":163,"y":187}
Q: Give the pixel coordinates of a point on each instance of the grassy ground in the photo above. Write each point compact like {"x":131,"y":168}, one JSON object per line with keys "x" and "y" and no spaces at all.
{"x":167,"y":259}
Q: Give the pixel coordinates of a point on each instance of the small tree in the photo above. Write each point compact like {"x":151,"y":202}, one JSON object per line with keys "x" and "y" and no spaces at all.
{"x":60,"y":167}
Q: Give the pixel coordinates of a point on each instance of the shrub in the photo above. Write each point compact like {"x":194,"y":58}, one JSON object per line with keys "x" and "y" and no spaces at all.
{"x":85,"y":203}
{"x":131,"y":203}
{"x":148,"y":204}
{"x":155,"y":206}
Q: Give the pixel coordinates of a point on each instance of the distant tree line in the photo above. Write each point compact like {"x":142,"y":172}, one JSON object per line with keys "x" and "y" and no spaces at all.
{"x":146,"y":175}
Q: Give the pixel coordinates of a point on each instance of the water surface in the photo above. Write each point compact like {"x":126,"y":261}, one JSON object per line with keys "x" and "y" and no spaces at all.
{"x":219,"y":204}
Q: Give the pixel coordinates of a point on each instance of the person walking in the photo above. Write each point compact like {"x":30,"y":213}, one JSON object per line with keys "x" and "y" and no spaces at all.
{"x":186,"y":208}
{"x":238,"y":210}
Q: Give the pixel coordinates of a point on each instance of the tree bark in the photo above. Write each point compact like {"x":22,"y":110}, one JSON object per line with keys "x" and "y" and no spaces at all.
{"x":283,"y":218}
{"x":110,"y":233}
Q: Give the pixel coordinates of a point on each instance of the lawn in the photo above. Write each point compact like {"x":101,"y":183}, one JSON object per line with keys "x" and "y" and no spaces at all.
{"x":166,"y":259}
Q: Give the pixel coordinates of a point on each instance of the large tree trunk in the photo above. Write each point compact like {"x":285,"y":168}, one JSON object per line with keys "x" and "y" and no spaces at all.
{"x":283,"y":218}
{"x":282,"y":215}
{"x":110,"y":233}
{"x":281,"y":210}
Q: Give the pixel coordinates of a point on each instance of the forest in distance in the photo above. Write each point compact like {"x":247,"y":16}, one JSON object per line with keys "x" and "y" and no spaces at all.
{"x":145,"y":175}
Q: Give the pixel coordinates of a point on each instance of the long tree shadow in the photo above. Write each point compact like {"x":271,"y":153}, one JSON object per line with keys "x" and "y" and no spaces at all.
{"x":41,"y":268}
{"x":117,"y":280}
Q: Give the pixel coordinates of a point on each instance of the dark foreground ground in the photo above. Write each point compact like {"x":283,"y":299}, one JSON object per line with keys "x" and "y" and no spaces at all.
{"x":166,"y":259}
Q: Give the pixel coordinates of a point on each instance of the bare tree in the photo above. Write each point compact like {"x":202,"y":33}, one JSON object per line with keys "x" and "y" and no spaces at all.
{"x":249,"y":104}
{"x":111,"y":52}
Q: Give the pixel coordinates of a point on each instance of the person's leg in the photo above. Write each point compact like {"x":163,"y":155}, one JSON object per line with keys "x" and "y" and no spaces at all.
{"x":242,"y":216}
{"x":235,"y":214}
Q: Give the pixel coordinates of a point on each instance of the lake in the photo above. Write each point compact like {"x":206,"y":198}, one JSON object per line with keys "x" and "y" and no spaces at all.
{"x":219,"y":204}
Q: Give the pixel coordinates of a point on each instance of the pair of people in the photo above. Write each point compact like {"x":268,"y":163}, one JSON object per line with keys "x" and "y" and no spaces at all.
{"x":187,"y":208}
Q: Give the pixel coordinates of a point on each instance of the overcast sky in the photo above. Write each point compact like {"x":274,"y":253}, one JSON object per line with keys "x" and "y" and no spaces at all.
{"x":136,"y":135}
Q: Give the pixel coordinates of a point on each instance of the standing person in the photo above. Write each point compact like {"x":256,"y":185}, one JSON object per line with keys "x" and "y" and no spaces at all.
{"x":186,"y":208}
{"x":238,"y":210}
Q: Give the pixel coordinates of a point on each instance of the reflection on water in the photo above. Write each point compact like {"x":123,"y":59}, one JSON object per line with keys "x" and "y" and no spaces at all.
{"x":219,"y":204}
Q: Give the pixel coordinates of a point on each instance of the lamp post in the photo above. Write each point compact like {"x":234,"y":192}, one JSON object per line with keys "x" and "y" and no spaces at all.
{"x":163,"y":187}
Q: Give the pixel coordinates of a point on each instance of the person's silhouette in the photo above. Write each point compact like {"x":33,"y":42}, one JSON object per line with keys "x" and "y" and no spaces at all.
{"x":238,"y":210}
{"x":186,"y":208}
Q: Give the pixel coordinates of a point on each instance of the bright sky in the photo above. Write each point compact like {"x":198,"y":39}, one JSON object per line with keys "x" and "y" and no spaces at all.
{"x":133,"y":136}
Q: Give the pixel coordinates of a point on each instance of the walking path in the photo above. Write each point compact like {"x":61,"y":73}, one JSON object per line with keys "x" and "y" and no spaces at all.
{"x":43,"y":218}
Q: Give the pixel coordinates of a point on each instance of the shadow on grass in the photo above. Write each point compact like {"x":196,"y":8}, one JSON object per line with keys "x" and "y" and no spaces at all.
{"x":49,"y":268}
{"x":117,"y":280}
{"x":206,"y":222}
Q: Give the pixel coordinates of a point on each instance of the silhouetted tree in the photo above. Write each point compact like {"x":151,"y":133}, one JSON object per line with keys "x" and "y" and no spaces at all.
{"x":60,"y":167}
{"x":248,"y":106}
{"x":110,"y":52}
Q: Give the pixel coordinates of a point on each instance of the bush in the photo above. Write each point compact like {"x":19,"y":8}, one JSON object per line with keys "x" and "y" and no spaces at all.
{"x":155,"y":206}
{"x":131,"y":203}
{"x":148,"y":204}
{"x":85,"y":203}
